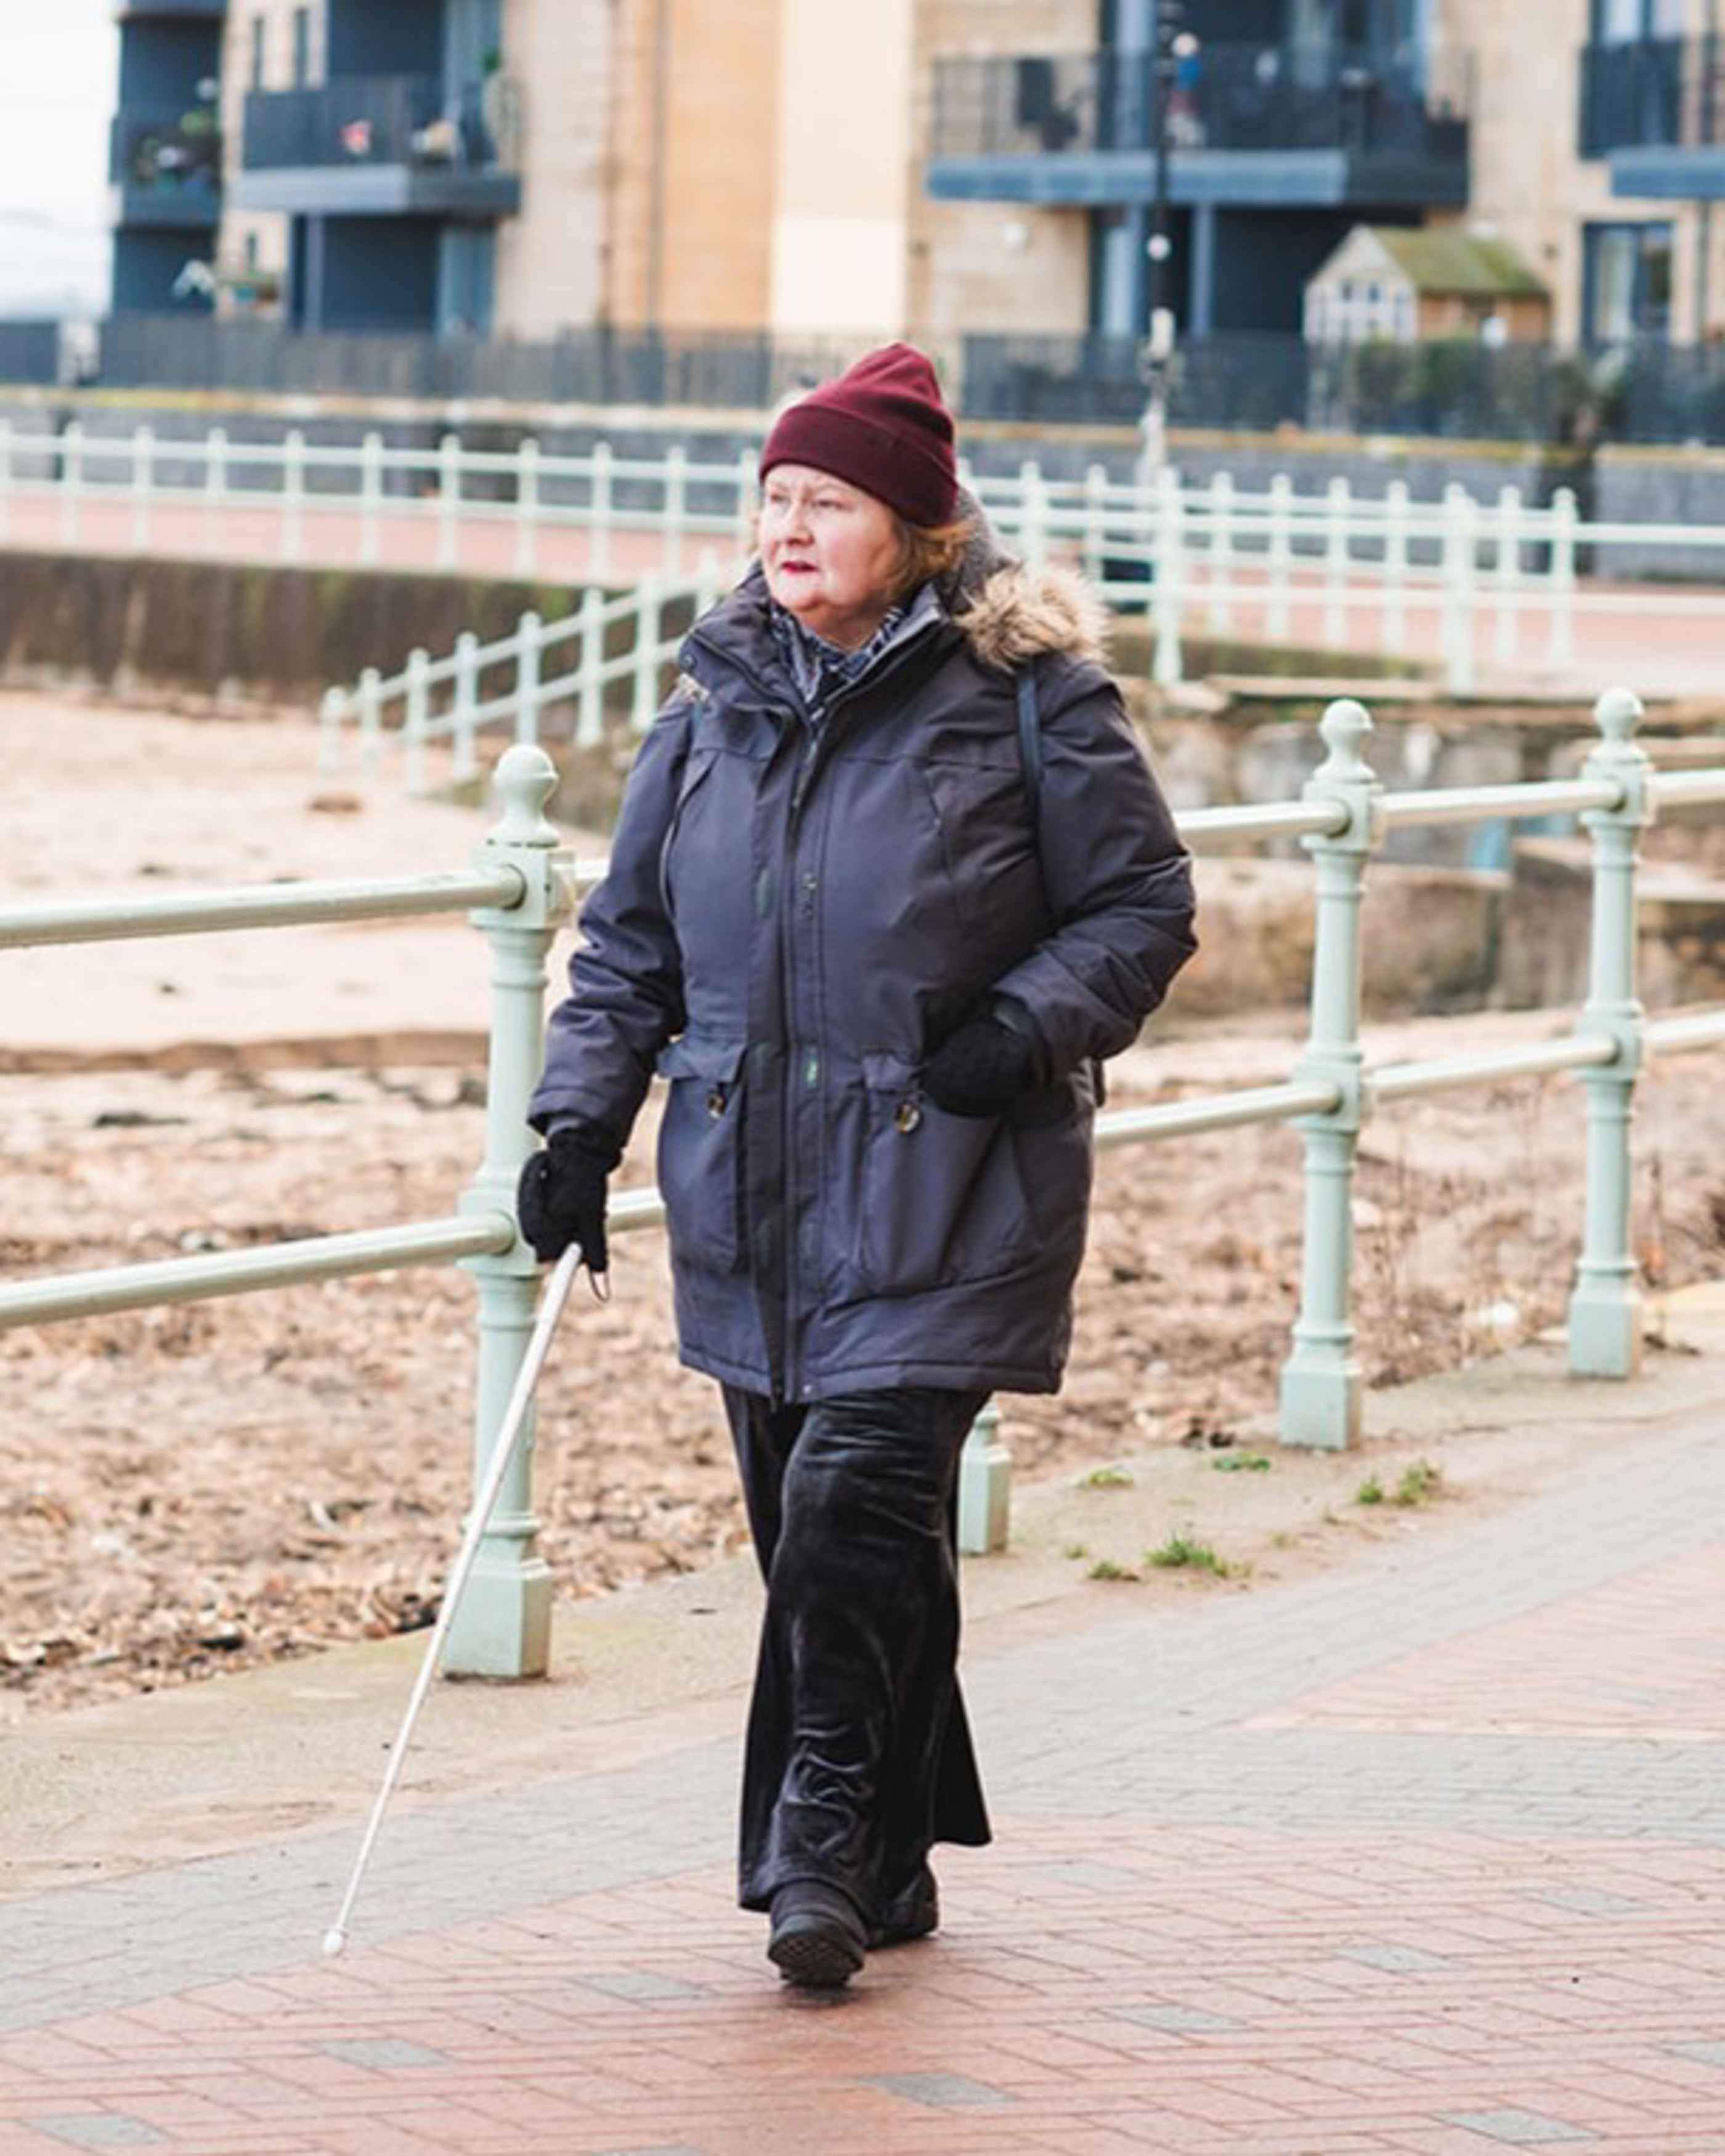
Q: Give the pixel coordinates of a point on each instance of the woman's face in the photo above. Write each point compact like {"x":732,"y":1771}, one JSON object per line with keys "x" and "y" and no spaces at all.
{"x":832,"y":553}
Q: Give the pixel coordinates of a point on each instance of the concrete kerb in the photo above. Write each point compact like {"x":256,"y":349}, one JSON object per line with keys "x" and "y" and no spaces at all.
{"x":150,"y":1782}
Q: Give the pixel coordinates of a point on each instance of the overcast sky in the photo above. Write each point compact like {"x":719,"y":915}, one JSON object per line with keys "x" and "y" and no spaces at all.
{"x":58,"y":69}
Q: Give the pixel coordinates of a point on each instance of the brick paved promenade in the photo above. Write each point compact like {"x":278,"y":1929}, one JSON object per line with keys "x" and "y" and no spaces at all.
{"x":1424,"y":1853}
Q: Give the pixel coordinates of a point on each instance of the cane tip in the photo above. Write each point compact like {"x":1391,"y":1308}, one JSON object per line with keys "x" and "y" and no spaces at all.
{"x":335,"y":1941}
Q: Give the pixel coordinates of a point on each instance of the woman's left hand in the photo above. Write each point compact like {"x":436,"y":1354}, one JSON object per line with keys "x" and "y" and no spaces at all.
{"x":985,"y":1068}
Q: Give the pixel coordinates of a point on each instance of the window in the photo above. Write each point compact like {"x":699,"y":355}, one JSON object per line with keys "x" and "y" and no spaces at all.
{"x":256,"y":68}
{"x":302,"y":46}
{"x":1627,"y":282}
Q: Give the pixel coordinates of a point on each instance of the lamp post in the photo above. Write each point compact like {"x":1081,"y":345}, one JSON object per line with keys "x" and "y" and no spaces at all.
{"x":1173,"y":46}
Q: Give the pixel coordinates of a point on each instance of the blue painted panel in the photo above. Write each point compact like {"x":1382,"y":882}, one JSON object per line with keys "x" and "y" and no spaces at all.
{"x":146,"y":264}
{"x":379,"y":273}
{"x":383,"y":37}
{"x":162,"y":63}
{"x":1667,"y":175}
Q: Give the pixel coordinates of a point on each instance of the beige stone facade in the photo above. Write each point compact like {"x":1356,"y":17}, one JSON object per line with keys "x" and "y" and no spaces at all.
{"x":759,"y":164}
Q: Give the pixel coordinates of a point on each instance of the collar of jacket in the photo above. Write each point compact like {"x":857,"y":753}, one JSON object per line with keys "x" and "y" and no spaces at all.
{"x":1005,"y":612}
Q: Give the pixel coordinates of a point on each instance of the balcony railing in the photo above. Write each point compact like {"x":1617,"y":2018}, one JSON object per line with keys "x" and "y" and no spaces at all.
{"x":382,"y":119}
{"x":1277,"y":97}
{"x":1656,"y":94}
{"x":174,"y":155}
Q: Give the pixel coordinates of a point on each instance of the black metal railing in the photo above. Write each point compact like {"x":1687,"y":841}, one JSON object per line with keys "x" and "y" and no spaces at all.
{"x":1656,"y":92}
{"x":1451,"y":388}
{"x":381,"y":120}
{"x":179,"y":153}
{"x":1288,"y":96}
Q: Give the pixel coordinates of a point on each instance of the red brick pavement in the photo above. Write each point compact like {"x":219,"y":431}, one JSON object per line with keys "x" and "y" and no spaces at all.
{"x":1240,"y":1989}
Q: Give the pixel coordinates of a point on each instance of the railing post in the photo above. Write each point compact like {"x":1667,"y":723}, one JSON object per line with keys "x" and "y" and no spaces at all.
{"x":449,"y":498}
{"x":1095,"y":521}
{"x":984,"y":1487}
{"x":71,"y":479}
{"x":1338,"y":503}
{"x":676,"y":506}
{"x":1321,"y":1381}
{"x":461,"y":719}
{"x":416,"y":717}
{"x":292,"y":494}
{"x":1033,"y":510}
{"x":1395,"y":633}
{"x":1562,"y":648}
{"x":527,"y":647}
{"x":1605,"y":1309}
{"x":330,"y":713}
{"x":1279,"y":545}
{"x":650,"y":594}
{"x":527,"y":506}
{"x":1506,"y":570}
{"x":1221,"y":553}
{"x":371,"y":718}
{"x":598,"y":526}
{"x":590,"y":719}
{"x":370,"y":497}
{"x":1166,"y":666}
{"x":1458,"y":575}
{"x":503,"y":1626}
{"x":143,"y":478}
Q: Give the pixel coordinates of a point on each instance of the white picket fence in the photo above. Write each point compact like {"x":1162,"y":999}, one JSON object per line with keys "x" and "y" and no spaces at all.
{"x":446,"y":700}
{"x":1333,"y":567}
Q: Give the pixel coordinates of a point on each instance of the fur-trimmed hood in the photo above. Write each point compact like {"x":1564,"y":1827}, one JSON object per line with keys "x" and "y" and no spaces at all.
{"x":1011,"y":612}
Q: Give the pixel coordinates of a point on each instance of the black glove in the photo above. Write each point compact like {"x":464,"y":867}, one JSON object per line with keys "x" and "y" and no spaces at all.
{"x":561,"y":1198}
{"x":984,"y":1069}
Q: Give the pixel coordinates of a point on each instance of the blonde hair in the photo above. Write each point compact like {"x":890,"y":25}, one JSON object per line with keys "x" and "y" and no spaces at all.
{"x":930,"y":550}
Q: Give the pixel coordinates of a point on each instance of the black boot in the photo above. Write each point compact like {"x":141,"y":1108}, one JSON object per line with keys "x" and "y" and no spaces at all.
{"x":912,"y":1914}
{"x":818,"y":1938}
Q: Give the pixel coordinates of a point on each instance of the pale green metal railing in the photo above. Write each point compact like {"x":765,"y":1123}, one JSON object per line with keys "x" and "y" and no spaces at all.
{"x":521,"y":890}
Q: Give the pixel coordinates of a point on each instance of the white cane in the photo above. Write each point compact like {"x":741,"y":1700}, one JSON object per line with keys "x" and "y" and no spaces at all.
{"x":551,"y":1308}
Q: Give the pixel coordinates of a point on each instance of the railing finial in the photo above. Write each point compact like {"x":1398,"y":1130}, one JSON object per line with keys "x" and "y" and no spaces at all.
{"x":526,"y":780}
{"x":1344,"y":728}
{"x":1617,"y":714}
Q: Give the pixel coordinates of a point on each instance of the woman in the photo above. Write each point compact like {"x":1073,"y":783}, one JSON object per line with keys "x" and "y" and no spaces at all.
{"x":875,"y":957}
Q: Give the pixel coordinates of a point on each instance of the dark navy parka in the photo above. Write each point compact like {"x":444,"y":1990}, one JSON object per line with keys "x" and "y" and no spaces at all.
{"x":793,"y":918}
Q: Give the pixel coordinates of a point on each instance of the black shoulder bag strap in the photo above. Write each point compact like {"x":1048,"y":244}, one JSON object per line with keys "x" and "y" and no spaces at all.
{"x":1030,"y":756}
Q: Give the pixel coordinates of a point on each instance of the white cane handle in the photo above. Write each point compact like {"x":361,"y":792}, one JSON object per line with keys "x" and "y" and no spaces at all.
{"x":551,"y":1308}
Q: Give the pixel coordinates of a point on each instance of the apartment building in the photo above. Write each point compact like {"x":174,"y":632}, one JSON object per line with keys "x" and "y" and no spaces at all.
{"x":164,"y":159}
{"x":930,"y":166}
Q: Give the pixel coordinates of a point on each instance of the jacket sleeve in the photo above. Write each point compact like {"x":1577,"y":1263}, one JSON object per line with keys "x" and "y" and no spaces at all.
{"x":1119,"y":882}
{"x":626,"y":997}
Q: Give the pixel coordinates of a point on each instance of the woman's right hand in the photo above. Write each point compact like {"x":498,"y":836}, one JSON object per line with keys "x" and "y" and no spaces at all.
{"x":561,"y":1198}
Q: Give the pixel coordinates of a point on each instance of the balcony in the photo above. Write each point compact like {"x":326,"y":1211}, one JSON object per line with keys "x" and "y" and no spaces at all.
{"x":165,"y":169}
{"x":381,"y":145}
{"x":1257,"y":126}
{"x":1655,"y":110}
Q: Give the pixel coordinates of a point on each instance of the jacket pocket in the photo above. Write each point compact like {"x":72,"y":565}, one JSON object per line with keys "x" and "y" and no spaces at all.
{"x":700,"y":1152}
{"x":943,"y":1199}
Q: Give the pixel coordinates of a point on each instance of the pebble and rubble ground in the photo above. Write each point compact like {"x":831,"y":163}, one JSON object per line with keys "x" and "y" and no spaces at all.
{"x":1402,"y":1834}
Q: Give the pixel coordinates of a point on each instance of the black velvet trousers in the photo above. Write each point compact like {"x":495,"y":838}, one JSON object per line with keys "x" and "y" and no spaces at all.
{"x":859,"y":1755}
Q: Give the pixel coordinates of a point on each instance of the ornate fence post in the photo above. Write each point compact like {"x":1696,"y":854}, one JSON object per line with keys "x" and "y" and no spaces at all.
{"x":416,"y":718}
{"x":527,"y":506}
{"x":1220,"y":550}
{"x":1338,"y":515}
{"x":1605,"y":1309}
{"x":650,"y":606}
{"x":984,"y":1486}
{"x":462,"y":722}
{"x":1393,"y":634}
{"x":1278,"y":547}
{"x":1321,"y":1383}
{"x":503,"y":1628}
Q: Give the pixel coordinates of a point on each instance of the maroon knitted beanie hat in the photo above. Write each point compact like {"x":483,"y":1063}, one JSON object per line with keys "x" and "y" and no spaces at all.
{"x":884,"y":427}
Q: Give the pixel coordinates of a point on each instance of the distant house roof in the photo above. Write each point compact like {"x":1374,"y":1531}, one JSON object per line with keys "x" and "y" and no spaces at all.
{"x":1443,"y":260}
